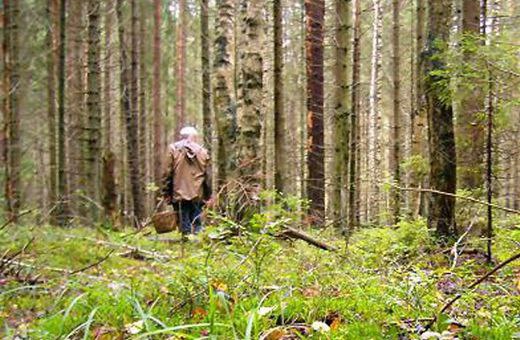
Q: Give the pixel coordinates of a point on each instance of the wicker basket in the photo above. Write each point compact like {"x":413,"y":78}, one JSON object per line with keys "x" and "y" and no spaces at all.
{"x":165,"y":221}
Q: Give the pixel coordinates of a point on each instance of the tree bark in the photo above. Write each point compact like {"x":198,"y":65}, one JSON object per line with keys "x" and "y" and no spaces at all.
{"x":62,"y":209}
{"x":52,"y":42}
{"x":280,"y":133}
{"x":374,"y":151}
{"x":223,"y":90}
{"x":93,"y":131}
{"x":341,"y":106}
{"x":418,"y":120}
{"x":75,"y":103}
{"x":443,"y":171}
{"x":250,"y":115}
{"x":180,"y":107}
{"x":158,"y":144}
{"x":353,"y":213}
{"x":12,"y":79}
{"x":315,"y":12}
{"x":470,"y":125}
{"x":129,"y":107}
{"x":143,"y":116}
{"x":108,"y":180}
{"x":396,"y":128}
{"x":206,"y":74}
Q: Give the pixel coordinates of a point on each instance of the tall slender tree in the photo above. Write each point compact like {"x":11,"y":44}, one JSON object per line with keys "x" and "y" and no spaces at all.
{"x":93,"y":128}
{"x":206,"y":73}
{"x":156,"y":92}
{"x":355,"y":105}
{"x":341,"y":106}
{"x":443,"y":169}
{"x":143,"y":115}
{"x":12,"y":115}
{"x":62,"y":208}
{"x":396,"y":123}
{"x":418,"y":119}
{"x":315,"y":15}
{"x":279,"y":112}
{"x":108,"y":180}
{"x":180,"y":75}
{"x":128,"y":88}
{"x":470,"y":125}
{"x":374,"y":152}
{"x":250,"y":115}
{"x":224,"y":90}
{"x":52,"y":41}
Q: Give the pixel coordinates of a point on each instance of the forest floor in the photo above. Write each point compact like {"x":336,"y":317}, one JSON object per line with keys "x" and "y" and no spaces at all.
{"x":94,"y":283}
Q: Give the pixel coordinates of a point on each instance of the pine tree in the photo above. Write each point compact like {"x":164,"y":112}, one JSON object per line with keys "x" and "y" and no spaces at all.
{"x":443,"y":169}
{"x":315,"y":15}
{"x":93,"y":128}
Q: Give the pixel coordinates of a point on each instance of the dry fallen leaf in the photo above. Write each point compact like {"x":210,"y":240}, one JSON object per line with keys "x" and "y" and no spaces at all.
{"x":276,"y":334}
{"x":199,"y":313}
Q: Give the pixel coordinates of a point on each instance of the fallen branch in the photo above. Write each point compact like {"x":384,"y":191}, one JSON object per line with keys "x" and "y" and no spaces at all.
{"x":148,"y":253}
{"x":97,"y":263}
{"x":471,"y":199}
{"x":14,"y":218}
{"x":52,"y":269}
{"x":298,"y":234}
{"x":473,"y":285}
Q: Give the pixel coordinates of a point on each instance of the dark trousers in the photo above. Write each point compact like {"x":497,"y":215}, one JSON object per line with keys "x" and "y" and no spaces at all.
{"x":189,"y":216}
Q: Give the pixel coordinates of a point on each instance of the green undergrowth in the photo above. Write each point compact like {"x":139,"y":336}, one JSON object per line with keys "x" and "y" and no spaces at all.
{"x":252,"y":286}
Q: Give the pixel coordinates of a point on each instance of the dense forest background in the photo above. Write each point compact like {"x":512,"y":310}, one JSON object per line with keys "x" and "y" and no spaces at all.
{"x":361,"y":107}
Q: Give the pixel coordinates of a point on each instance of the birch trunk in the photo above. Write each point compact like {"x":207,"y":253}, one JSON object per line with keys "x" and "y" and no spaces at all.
{"x":250,"y":115}
{"x":224,"y":91}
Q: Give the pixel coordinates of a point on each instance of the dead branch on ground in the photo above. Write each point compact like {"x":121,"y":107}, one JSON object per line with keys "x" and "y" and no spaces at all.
{"x":471,"y":286}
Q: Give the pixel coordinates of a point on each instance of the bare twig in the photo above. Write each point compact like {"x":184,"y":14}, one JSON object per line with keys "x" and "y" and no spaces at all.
{"x":471,"y":199}
{"x":473,"y":285}
{"x":14,"y":218}
{"x":97,"y":263}
{"x":151,"y":254}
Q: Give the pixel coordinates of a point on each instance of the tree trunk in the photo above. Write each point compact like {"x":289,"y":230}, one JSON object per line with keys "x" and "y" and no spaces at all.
{"x":12,"y":78}
{"x":470,"y":125}
{"x":396,"y":128}
{"x":250,"y":115}
{"x":180,"y":107}
{"x":52,"y":42}
{"x":93,"y":132}
{"x":206,"y":74}
{"x":108,"y":184}
{"x":62,"y":209}
{"x":443,"y":169}
{"x":280,"y":132}
{"x":142,"y":96}
{"x":129,"y":107}
{"x":75,"y":103}
{"x":341,"y":106}
{"x":158,"y":144}
{"x":315,"y":12}
{"x":418,"y":120}
{"x":353,"y":213}
{"x":223,"y":90}
{"x":374,"y":152}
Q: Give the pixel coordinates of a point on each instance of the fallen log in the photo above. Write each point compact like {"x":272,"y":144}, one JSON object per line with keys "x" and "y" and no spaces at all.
{"x":298,"y":234}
